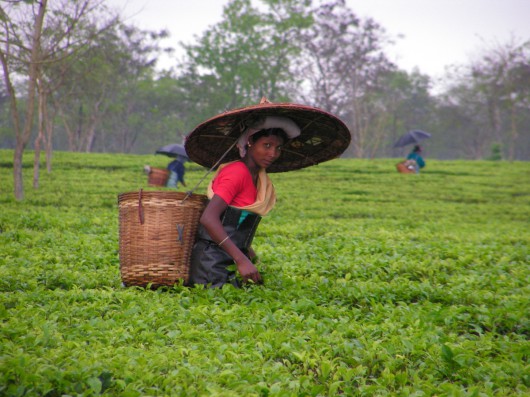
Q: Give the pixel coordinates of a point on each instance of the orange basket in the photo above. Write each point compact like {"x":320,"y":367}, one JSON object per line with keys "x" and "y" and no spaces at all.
{"x":406,"y":167}
{"x":158,"y":177}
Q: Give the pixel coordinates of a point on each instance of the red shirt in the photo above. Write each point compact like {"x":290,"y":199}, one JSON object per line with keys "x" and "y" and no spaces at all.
{"x":235,"y":186}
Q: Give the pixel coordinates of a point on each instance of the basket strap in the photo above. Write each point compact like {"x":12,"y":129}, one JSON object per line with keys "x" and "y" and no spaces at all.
{"x":190,"y":192}
{"x":140,"y":208}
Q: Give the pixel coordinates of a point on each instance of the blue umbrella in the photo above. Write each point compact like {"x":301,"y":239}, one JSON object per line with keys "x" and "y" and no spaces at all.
{"x":173,"y":150}
{"x":412,"y":138}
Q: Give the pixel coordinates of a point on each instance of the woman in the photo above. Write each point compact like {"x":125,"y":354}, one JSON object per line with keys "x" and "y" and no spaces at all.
{"x":176,"y":172}
{"x":240,"y":194}
{"x":415,"y":155}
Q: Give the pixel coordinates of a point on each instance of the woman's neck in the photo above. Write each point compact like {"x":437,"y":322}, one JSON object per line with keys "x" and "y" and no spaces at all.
{"x":253,"y":169}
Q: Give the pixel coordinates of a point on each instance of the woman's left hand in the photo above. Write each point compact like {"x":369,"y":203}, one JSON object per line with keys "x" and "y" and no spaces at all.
{"x":248,"y":271}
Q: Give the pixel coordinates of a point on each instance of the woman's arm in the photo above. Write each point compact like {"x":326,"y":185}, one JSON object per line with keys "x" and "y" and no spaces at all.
{"x":211,"y":220}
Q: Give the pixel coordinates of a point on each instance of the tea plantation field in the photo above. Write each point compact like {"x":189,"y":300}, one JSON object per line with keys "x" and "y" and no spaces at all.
{"x":376,"y":284}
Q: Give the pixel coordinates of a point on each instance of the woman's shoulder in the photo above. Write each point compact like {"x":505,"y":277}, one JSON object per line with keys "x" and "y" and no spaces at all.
{"x":236,"y":167}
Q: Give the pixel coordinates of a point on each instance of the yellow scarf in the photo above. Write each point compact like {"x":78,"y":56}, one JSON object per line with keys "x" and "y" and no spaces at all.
{"x":265,"y":199}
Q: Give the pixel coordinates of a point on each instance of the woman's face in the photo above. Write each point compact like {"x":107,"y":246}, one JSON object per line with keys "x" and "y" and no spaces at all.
{"x":265,"y":150}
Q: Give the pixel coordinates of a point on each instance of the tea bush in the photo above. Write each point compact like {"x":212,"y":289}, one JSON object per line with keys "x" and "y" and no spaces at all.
{"x":376,"y":284}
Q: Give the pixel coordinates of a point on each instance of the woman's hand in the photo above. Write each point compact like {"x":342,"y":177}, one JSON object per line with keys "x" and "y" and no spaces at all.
{"x":248,"y":271}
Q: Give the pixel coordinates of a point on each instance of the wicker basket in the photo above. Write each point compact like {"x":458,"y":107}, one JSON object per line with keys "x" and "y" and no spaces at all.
{"x":406,"y":167}
{"x":158,"y":177}
{"x":156,"y":235}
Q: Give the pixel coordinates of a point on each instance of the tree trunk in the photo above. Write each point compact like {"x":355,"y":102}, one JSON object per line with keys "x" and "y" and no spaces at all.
{"x":17,"y":170}
{"x":91,"y":139}
{"x":377,"y":133}
{"x":495,"y":119}
{"x":513,"y":133}
{"x":23,"y":135}
{"x":40,"y":138}
{"x":69,"y":133}
{"x":17,"y":156}
{"x":36,"y":161}
{"x":48,"y":123}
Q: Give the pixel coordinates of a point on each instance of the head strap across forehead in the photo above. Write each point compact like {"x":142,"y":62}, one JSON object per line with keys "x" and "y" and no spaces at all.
{"x":284,"y":123}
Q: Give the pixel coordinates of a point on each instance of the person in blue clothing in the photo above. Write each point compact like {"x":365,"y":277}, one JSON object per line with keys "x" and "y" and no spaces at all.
{"x":176,"y":172}
{"x":416,"y":156}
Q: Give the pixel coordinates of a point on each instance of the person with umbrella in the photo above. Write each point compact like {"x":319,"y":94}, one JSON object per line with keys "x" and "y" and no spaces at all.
{"x":241,"y":192}
{"x":414,"y":160}
{"x":176,"y":172}
{"x":416,"y":157}
{"x":176,"y":167}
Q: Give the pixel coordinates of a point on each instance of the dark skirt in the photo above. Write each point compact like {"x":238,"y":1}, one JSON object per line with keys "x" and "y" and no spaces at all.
{"x":209,"y":263}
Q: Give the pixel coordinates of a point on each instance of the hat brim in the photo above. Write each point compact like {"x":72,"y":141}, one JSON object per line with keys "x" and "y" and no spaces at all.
{"x":322,"y":137}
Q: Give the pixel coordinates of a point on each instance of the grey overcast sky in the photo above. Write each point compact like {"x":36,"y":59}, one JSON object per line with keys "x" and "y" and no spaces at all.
{"x":435,"y":33}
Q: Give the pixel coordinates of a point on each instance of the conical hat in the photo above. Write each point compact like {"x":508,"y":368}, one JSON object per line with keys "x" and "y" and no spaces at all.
{"x":322,"y":137}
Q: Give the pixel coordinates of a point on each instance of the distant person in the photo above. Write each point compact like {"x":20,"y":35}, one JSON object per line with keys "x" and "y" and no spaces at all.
{"x":176,"y":172}
{"x":415,"y":155}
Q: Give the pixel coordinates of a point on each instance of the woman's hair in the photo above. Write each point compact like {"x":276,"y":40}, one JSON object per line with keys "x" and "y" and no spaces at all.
{"x":417,"y":149}
{"x":269,"y":132}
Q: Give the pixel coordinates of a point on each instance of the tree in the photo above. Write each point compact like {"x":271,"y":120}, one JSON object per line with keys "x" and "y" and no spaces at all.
{"x":344,"y":67}
{"x":101,"y":93}
{"x":408,"y":105}
{"x":29,"y":54}
{"x":31,"y":47}
{"x":65,"y":33}
{"x":493,"y":95}
{"x":246,"y":56}
{"x":7,"y":139}
{"x":462,"y":119}
{"x":502,"y":76}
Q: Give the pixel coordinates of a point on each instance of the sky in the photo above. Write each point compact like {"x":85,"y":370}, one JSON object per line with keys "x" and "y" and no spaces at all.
{"x":430,"y":34}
